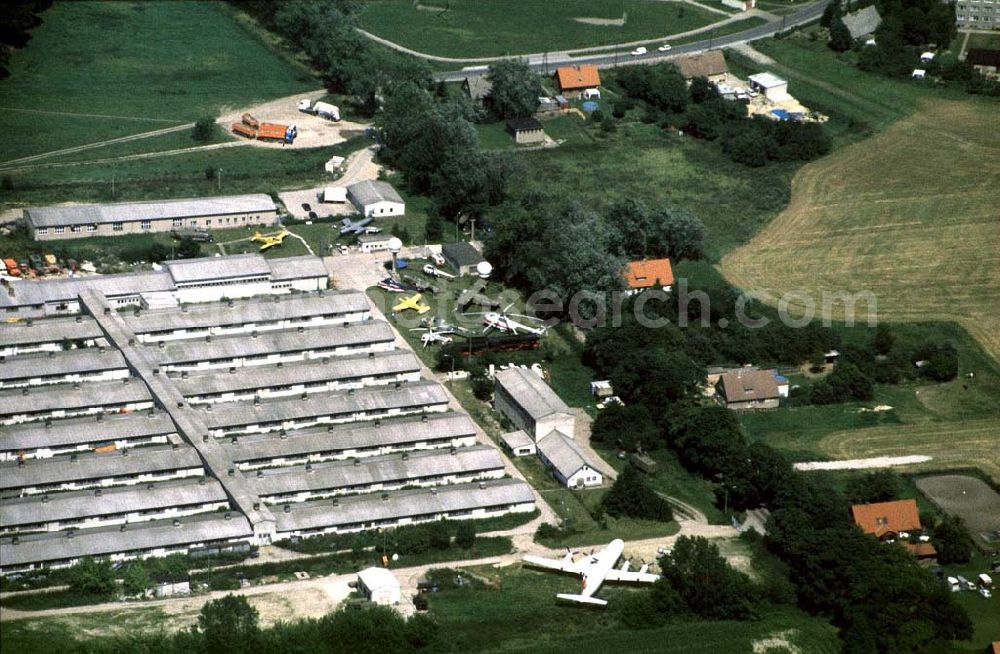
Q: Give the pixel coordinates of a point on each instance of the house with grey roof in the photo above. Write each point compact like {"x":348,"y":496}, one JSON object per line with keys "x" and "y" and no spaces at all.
{"x":863,"y":22}
{"x":531,"y":404}
{"x":376,"y":199}
{"x":118,"y":219}
{"x":569,"y":464}
{"x":751,"y":388}
{"x":477,"y":88}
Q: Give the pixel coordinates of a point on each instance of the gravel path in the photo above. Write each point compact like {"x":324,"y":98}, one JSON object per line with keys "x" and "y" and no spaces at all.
{"x":863,"y":464}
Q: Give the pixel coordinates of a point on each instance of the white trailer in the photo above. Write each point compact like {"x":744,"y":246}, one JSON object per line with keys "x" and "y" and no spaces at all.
{"x":305,"y":105}
{"x":326,"y":110}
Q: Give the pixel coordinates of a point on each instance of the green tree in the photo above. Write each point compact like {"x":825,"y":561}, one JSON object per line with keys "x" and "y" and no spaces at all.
{"x":92,"y":576}
{"x":421,"y":630}
{"x":482,"y":386}
{"x":630,"y":426}
{"x":840,"y":36}
{"x":440,"y":535}
{"x":952,"y":541}
{"x":702,"y":90}
{"x":709,"y":587}
{"x":515,"y":89}
{"x":465,"y":535}
{"x":229,"y":625}
{"x":878,"y":486}
{"x":434,"y":228}
{"x":368,"y":630}
{"x":630,"y":496}
{"x":883,"y":339}
{"x":136,"y":580}
{"x":188,"y":248}
{"x":203,"y":129}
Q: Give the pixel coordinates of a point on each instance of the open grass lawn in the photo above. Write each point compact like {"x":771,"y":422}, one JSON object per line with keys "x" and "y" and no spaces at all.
{"x":141,"y":66}
{"x":489,"y":28}
{"x":985,"y":41}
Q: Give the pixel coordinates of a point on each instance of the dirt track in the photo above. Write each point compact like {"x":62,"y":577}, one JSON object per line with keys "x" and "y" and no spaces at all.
{"x":314,"y":131}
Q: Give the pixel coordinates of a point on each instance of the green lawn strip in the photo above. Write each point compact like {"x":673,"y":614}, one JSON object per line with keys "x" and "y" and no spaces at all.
{"x":487,"y":28}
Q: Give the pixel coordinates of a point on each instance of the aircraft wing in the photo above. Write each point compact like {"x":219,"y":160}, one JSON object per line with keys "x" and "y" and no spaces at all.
{"x":563,"y":565}
{"x":631,"y":576}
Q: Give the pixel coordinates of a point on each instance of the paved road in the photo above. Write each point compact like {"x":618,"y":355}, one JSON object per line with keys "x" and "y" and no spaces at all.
{"x":805,"y":15}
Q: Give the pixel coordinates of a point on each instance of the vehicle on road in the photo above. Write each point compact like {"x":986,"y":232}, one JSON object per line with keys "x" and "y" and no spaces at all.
{"x":641,"y":50}
{"x":666,"y":47}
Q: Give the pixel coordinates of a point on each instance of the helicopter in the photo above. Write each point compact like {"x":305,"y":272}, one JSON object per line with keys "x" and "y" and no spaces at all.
{"x":502,"y":321}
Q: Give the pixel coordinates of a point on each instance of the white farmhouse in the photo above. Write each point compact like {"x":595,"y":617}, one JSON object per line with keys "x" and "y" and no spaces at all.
{"x":376,"y":199}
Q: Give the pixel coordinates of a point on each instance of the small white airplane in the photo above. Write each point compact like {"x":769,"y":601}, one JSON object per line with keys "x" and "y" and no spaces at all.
{"x":595,"y":570}
{"x":437,"y":272}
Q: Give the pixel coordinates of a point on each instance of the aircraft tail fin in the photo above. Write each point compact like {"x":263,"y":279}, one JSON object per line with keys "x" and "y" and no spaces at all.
{"x":581,"y":599}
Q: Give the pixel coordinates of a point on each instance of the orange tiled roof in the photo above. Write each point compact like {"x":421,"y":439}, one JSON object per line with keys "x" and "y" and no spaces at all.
{"x":648,"y":273}
{"x":572,"y":78}
{"x":921,"y":550}
{"x":887,"y":517}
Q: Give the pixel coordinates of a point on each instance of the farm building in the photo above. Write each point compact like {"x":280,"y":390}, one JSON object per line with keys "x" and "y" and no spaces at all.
{"x":88,"y":220}
{"x":751,"y":389}
{"x":773,"y":87}
{"x":568,"y":462}
{"x":462,"y":257}
{"x":711,"y":65}
{"x":477,"y":88}
{"x":571,"y":81}
{"x":987,"y":62}
{"x":648,"y":273}
{"x":862,"y":23}
{"x":373,"y":242}
{"x":518,"y":443}
{"x":887,"y":519}
{"x":217,"y":419}
{"x":525,"y":130}
{"x":177,"y":282}
{"x":376,"y":198}
{"x":379,"y":586}
{"x":531,"y":404}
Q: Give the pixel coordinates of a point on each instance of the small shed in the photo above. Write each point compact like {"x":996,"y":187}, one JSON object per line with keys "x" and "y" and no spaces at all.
{"x":773,"y":87}
{"x":379,"y":585}
{"x":334,"y":165}
{"x":336,"y":194}
{"x":601,"y":388}
{"x":525,"y":130}
{"x":918,"y":73}
{"x":518,"y":443}
{"x":462,"y":257}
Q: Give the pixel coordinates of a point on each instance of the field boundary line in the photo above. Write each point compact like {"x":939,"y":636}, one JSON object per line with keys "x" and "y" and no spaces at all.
{"x":82,"y":115}
{"x":99,"y":144}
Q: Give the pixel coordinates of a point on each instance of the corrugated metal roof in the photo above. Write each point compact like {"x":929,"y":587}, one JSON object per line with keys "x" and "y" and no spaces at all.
{"x":372,"y":191}
{"x":531,"y":392}
{"x":517,"y":439}
{"x":408,"y":396}
{"x":83,"y":360}
{"x":75,"y":505}
{"x":111,"y":540}
{"x":271,"y":309}
{"x":304,"y":267}
{"x":370,"y":508}
{"x":84,"y":430}
{"x":97,"y":466}
{"x":562,"y":453}
{"x":353,"y":436}
{"x":48,"y":330}
{"x":51,"y":291}
{"x":328,"y":370}
{"x":63,"y":396}
{"x":274,"y":342}
{"x":392,"y":468}
{"x":151,"y":210}
{"x":187,"y":271}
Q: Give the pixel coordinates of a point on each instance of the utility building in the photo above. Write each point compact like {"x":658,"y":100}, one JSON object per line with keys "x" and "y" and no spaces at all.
{"x":531,"y":404}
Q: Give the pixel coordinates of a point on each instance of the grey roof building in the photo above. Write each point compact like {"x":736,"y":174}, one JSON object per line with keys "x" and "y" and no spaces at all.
{"x":376,"y":198}
{"x":530,"y":403}
{"x":68,"y":434}
{"x":36,"y":403}
{"x":47,"y":335}
{"x":56,"y":366}
{"x":368,"y":511}
{"x":568,"y":462}
{"x":462,"y":257}
{"x":214,"y":269}
{"x":863,"y":22}
{"x":477,"y":87}
{"x":151,"y":538}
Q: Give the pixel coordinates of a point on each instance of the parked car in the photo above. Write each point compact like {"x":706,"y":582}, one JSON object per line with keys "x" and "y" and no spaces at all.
{"x":641,"y":50}
{"x":36,"y":262}
{"x":985,"y":592}
{"x":312,"y":215}
{"x":306,"y":206}
{"x":664,"y":48}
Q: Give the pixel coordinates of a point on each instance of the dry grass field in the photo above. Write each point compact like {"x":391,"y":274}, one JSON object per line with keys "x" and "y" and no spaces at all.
{"x":912,"y":216}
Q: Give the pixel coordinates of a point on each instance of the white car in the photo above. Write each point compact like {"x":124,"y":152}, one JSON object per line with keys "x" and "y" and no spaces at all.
{"x":985,"y":593}
{"x":664,"y":48}
{"x":639,"y":51}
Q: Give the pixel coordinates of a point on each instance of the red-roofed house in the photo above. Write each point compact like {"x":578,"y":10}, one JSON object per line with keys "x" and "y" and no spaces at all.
{"x":648,"y":273}
{"x":571,"y":81}
{"x":887,"y":519}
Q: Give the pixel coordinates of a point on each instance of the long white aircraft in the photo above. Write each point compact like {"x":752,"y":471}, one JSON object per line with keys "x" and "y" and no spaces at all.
{"x":595,"y":570}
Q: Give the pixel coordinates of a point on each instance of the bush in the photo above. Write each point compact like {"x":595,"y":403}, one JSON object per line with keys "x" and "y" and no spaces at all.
{"x":92,"y":577}
{"x":203,"y":129}
{"x":465,"y":536}
{"x":630,"y":496}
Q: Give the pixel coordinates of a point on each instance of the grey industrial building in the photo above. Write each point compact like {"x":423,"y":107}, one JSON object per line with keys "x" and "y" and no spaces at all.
{"x":91,"y":220}
{"x":214,"y":424}
{"x":530,"y":403}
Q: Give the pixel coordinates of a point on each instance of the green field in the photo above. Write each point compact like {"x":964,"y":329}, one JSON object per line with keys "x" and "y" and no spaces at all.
{"x":489,"y":28}
{"x":110,"y":69}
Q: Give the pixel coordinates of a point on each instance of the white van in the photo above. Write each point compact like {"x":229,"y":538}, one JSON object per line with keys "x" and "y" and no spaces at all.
{"x":305,"y":105}
{"x":641,"y":50}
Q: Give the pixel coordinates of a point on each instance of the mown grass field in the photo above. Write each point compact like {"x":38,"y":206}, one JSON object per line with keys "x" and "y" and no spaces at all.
{"x":130,"y":65}
{"x":489,"y":28}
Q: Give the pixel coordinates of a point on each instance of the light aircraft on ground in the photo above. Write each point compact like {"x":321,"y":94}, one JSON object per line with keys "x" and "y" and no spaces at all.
{"x":413,"y":302}
{"x":595,"y":570}
{"x":268,"y":241}
{"x":390,"y":284}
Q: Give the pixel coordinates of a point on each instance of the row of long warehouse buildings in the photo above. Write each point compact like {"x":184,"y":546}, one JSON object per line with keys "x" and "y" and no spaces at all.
{"x":217,"y":426}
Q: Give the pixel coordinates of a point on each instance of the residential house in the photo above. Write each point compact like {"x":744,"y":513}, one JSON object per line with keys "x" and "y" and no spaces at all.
{"x":571,"y":81}
{"x":648,"y":273}
{"x":477,"y":88}
{"x":751,"y":389}
{"x":570,"y":466}
{"x":977,"y":14}
{"x":887,"y":519}
{"x":711,"y":65}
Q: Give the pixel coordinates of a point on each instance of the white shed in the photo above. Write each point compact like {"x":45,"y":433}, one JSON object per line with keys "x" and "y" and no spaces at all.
{"x":773,"y":87}
{"x":379,"y":585}
{"x":376,"y":199}
{"x":519,"y":443}
{"x":334,"y":165}
{"x":373,"y":242}
{"x":335,"y":194}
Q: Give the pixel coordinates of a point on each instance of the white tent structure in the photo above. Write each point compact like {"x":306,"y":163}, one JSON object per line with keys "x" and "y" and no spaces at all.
{"x":379,"y":585}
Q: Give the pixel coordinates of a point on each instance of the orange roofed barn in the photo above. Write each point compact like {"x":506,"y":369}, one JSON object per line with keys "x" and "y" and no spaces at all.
{"x":572,"y":80}
{"x":648,"y":273}
{"x":887,"y":518}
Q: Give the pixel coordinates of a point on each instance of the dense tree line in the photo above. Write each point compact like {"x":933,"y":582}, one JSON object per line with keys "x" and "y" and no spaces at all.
{"x":17,"y":19}
{"x":630,"y":496}
{"x":515,"y":89}
{"x":702,"y":113}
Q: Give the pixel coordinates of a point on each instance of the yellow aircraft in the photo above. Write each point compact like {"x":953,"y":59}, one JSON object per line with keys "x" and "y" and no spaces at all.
{"x":412,"y":302}
{"x":269,"y":240}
